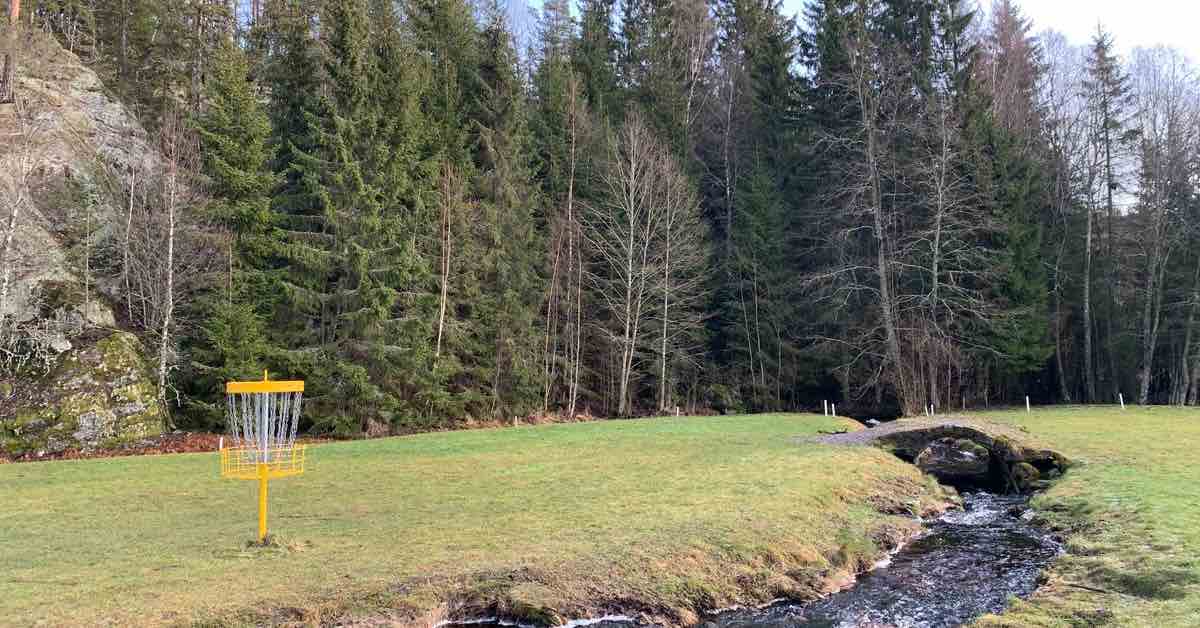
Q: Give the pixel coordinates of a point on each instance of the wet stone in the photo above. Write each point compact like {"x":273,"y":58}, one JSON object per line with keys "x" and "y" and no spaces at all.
{"x":955,"y":461}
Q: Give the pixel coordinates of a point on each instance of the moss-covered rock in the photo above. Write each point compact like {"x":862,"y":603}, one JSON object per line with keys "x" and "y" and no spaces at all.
{"x":1024,"y":475}
{"x":99,"y":395}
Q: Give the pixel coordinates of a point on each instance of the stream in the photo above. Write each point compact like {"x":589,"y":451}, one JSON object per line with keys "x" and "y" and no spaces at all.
{"x":967,"y":564}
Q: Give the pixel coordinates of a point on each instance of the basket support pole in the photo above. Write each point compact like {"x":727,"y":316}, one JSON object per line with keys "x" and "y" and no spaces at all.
{"x":262,"y":502}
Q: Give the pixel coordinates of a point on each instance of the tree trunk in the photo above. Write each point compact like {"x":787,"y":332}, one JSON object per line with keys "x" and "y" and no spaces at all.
{"x":1183,"y":388}
{"x":576,"y":313}
{"x":1150,"y":315}
{"x":1089,"y":372}
{"x":169,"y":294}
{"x":5,"y":268}
{"x":550,"y":349}
{"x":8,"y":68}
{"x":1064,"y":389}
{"x":662,"y":374}
{"x":123,"y":52}
{"x":886,"y":307}
{"x":574,"y":248}
{"x":447,"y":200}
{"x":125,"y":246}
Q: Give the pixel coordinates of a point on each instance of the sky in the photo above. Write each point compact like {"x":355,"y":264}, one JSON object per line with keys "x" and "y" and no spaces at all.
{"x":1133,"y":23}
{"x":1139,"y":23}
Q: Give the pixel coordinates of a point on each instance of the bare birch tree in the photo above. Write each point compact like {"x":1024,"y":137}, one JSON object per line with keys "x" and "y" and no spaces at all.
{"x":168,"y":252}
{"x":621,"y":229}
{"x":1165,"y":85}
{"x":683,"y":259}
{"x":1066,"y":132}
{"x":563,"y":350}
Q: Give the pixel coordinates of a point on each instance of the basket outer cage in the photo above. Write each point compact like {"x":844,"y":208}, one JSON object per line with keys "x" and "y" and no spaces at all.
{"x":250,"y":463}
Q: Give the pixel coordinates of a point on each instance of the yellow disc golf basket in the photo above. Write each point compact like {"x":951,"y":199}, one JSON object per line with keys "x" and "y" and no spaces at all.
{"x":263,"y":417}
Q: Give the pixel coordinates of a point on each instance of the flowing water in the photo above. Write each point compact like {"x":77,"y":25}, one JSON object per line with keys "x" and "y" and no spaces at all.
{"x":967,"y":563}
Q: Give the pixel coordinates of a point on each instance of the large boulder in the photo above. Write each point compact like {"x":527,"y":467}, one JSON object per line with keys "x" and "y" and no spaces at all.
{"x":100,"y":395}
{"x":955,"y":461}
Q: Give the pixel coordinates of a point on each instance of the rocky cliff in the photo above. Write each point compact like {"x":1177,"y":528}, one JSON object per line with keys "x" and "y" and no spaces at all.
{"x":70,"y":377}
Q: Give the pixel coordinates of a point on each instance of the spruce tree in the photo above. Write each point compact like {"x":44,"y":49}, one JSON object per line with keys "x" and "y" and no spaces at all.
{"x":1109,"y":99}
{"x":507,"y":313}
{"x":347,"y":255}
{"x":595,"y":56}
{"x":231,"y":343}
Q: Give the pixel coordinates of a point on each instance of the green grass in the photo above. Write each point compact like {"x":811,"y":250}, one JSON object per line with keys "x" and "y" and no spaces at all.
{"x":666,"y":515}
{"x":1131,"y":511}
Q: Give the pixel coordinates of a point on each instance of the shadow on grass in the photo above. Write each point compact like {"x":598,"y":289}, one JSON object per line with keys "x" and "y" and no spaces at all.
{"x":1166,"y":583}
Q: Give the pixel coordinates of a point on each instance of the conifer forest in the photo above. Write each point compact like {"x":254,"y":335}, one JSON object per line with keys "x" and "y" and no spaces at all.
{"x":439,"y":212}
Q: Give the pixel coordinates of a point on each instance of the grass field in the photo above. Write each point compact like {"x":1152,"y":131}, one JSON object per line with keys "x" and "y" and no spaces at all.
{"x":1132,"y":510}
{"x":666,"y":515}
{"x":669,"y":515}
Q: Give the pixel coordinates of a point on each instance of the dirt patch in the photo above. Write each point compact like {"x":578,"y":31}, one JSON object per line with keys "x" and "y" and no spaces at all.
{"x":173,"y":443}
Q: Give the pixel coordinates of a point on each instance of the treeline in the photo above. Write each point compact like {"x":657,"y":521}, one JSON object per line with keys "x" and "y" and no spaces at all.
{"x":898,"y":204}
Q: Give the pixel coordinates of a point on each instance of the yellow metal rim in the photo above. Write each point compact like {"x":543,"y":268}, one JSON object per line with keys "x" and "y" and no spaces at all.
{"x":265,"y":386}
{"x":242,"y":463}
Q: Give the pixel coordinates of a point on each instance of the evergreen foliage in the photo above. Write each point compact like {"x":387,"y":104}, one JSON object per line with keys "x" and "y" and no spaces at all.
{"x":863,"y":204}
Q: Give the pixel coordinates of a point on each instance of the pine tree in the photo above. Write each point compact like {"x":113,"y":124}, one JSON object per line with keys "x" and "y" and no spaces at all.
{"x":595,"y":56}
{"x":348,"y":258}
{"x":1106,"y":88}
{"x":234,"y":134}
{"x":551,"y":83}
{"x":1003,"y":140}
{"x":514,"y":252}
{"x":231,"y":343}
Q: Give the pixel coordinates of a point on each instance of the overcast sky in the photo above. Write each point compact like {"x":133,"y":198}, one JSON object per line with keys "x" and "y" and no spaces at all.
{"x":1132,"y":22}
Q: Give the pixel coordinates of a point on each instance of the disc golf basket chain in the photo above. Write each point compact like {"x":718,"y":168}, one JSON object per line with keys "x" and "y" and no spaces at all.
{"x":263,"y":417}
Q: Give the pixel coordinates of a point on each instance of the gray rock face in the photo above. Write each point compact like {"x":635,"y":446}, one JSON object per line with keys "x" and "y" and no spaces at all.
{"x":955,"y":460}
{"x":80,"y":134}
{"x":83,"y":384}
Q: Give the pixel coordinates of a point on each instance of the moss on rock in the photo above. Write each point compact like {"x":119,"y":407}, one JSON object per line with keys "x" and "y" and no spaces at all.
{"x":1024,"y":475}
{"x":100,"y":395}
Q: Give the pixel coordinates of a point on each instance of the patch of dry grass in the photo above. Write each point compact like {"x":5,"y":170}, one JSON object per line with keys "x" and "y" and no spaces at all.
{"x":668,"y":516}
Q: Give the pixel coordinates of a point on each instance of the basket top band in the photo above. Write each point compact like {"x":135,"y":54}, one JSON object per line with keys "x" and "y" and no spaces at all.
{"x":264,"y":386}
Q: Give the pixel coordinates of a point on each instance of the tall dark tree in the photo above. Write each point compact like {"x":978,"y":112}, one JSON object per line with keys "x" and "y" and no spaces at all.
{"x":1110,"y":101}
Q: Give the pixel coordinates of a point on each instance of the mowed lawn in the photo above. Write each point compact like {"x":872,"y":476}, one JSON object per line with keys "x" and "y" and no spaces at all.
{"x":668,"y":513}
{"x":1132,"y":510}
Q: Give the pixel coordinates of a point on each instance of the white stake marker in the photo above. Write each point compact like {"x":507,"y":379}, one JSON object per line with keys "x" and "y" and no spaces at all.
{"x":1121,"y":398}
{"x":1027,"y":404}
{"x":825,"y":406}
{"x":833,"y":409}
{"x":220,"y":443}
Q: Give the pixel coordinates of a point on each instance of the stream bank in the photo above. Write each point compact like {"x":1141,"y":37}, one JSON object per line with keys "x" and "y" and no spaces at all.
{"x":960,"y":564}
{"x":967,"y":563}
